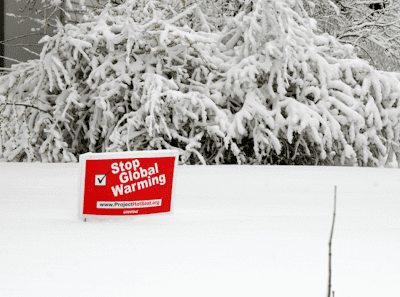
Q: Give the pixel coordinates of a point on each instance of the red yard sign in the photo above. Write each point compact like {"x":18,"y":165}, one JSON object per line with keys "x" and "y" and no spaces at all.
{"x":127,"y":183}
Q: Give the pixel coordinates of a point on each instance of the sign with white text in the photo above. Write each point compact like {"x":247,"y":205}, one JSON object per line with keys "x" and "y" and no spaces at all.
{"x":127,"y":183}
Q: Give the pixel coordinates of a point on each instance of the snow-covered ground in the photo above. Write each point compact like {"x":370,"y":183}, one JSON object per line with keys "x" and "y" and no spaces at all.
{"x":236,"y":231}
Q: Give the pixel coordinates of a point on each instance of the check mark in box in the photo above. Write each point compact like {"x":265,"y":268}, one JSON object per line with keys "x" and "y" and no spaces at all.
{"x":100,"y":180}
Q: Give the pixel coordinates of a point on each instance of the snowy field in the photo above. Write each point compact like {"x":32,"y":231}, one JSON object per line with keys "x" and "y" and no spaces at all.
{"x":236,"y":231}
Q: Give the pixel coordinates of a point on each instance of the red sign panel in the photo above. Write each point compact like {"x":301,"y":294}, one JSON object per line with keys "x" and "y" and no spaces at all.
{"x":128,"y":183}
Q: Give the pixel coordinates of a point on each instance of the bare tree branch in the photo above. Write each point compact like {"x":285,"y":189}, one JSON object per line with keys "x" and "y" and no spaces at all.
{"x":22,"y":44}
{"x":32,"y":106}
{"x":10,"y":59}
{"x":330,"y":247}
{"x":21,"y":36}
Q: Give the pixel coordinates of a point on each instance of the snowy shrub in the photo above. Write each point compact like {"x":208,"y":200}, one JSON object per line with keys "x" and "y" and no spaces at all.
{"x":263,"y":88}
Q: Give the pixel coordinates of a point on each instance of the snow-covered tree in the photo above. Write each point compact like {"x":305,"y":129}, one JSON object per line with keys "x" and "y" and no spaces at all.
{"x":262,"y":89}
{"x":42,"y":14}
{"x":371,"y":26}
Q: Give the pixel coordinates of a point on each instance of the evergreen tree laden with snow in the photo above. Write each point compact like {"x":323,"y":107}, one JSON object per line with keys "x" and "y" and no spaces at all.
{"x":262,"y":89}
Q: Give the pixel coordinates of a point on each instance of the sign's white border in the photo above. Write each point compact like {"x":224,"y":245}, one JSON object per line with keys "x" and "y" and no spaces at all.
{"x":122,"y":155}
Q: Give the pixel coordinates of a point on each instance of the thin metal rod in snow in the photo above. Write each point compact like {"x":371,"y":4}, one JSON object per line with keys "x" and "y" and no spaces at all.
{"x":330,"y":245}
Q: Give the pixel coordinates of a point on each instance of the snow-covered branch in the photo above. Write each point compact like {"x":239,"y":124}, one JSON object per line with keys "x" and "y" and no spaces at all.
{"x":264,"y":88}
{"x":369,"y":26}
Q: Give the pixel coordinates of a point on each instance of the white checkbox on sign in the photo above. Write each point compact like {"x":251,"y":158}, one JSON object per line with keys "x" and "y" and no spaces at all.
{"x":100,"y":180}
